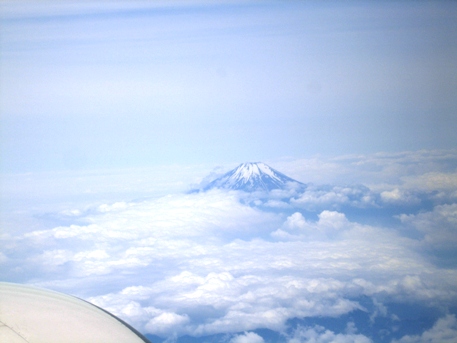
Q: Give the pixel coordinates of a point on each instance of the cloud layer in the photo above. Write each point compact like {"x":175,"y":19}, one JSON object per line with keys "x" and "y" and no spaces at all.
{"x":222,"y":262}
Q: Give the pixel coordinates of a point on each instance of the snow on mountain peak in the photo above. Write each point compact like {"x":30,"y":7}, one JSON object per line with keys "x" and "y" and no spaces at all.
{"x":247,"y":170}
{"x":252,"y":176}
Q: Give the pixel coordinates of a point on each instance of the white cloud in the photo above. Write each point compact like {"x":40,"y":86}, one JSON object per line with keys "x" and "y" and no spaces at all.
{"x":118,"y":206}
{"x":167,"y":323}
{"x":438,"y":226}
{"x":332,"y":220}
{"x":207,"y":263}
{"x":276,"y":204}
{"x":444,"y":331}
{"x":320,"y":198}
{"x":172,"y":216}
{"x":247,"y":337}
{"x":184,"y":270}
{"x":271,"y":282}
{"x":404,"y":179}
{"x":295,"y":221}
{"x":369,"y":169}
{"x":397,"y":196}
{"x":380,"y":310}
{"x":433,"y":181}
{"x":333,"y":197}
{"x":51,"y":258}
{"x":319,"y":334}
{"x":409,"y":171}
{"x":328,"y":225}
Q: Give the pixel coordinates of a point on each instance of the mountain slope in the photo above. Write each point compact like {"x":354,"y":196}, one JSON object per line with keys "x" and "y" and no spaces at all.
{"x":250,"y":177}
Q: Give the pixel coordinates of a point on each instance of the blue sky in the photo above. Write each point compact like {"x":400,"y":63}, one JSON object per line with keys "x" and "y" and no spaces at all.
{"x":97,"y":85}
{"x":112,"y":111}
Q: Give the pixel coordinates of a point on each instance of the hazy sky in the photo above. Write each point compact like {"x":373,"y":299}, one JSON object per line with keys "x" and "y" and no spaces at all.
{"x":98,"y":84}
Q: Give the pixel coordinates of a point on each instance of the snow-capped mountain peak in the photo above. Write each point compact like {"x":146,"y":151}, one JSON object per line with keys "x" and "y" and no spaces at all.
{"x":252,"y":176}
{"x":248,"y":170}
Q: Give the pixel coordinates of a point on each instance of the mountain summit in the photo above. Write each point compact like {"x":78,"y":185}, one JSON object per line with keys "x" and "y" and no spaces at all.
{"x":250,"y":177}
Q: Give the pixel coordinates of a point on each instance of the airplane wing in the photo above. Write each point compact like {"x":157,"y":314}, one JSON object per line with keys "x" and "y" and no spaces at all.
{"x":34,"y":315}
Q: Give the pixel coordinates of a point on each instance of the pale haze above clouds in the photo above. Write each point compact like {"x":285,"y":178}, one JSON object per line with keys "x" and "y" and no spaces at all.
{"x":101,"y":84}
{"x":112,"y":112}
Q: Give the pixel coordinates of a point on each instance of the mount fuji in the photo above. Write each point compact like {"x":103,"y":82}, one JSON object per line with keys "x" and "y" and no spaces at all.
{"x":251,"y":177}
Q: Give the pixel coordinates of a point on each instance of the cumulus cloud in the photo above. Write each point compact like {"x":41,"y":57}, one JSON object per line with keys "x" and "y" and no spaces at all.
{"x":247,"y":337}
{"x":243,"y":285}
{"x":233,"y":304}
{"x":397,"y":196}
{"x":166,"y":323}
{"x":374,"y":169}
{"x":438,"y":226}
{"x":390,"y":178}
{"x":297,"y":227}
{"x":295,"y":221}
{"x":444,"y":331}
{"x":319,"y":334}
{"x":197,"y":264}
{"x":219,"y":262}
{"x":333,"y":197}
{"x":443,"y":183}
